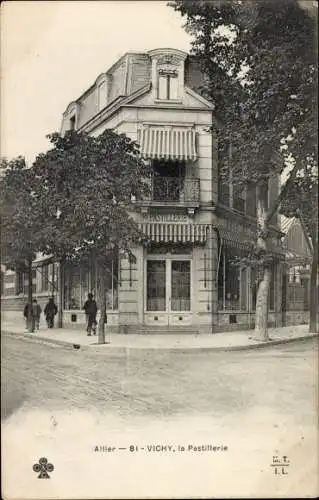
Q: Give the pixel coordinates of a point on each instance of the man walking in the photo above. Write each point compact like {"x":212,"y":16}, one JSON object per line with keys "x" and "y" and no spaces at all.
{"x":35,"y":315}
{"x":50,"y":311}
{"x":90,"y":309}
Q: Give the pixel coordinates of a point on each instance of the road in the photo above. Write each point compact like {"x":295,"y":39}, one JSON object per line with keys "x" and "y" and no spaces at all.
{"x":158,"y":383}
{"x":258,"y":403}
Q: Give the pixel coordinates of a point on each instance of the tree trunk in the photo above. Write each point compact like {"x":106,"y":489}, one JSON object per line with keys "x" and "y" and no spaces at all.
{"x":313,"y":309}
{"x":61,"y":293}
{"x":262,"y":299}
{"x":102,"y":269}
{"x":262,"y":303}
{"x":30,"y":320}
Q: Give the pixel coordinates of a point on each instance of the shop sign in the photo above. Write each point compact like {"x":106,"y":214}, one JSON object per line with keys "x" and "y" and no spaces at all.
{"x":177,"y":218}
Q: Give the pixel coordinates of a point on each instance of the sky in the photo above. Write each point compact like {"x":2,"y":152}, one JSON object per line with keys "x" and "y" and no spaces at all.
{"x":51,"y":51}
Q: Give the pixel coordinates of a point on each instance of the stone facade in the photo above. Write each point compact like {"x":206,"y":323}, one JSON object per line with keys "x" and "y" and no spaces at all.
{"x":157,"y":92}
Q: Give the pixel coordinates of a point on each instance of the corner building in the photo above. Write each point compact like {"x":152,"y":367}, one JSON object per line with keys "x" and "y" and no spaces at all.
{"x":184,"y":280}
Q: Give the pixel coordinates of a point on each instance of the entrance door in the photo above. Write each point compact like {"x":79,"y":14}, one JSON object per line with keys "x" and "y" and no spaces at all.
{"x":168,"y":292}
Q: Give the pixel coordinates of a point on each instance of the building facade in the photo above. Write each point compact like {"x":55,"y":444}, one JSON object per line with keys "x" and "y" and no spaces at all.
{"x":185,"y":279}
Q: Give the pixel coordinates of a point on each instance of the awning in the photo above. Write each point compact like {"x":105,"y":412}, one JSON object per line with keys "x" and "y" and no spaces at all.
{"x":43,"y":259}
{"x":175,"y":233}
{"x":168,"y":143}
{"x":234,"y":239}
{"x":240,"y":240}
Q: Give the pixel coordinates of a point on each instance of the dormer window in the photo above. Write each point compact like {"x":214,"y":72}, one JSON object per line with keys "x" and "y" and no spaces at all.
{"x":101,"y":91}
{"x":167,"y":84}
{"x":101,"y":96}
{"x":72,"y":123}
{"x":167,"y":75}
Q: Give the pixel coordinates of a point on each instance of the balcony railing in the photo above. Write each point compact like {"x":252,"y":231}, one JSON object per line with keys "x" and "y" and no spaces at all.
{"x":175,"y":189}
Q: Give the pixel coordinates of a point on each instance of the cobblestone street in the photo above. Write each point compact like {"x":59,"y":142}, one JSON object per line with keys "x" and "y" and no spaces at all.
{"x":158,"y":383}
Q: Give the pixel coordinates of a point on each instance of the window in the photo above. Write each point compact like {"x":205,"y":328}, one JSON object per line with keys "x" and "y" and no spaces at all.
{"x":232,"y":195}
{"x":101,"y":95}
{"x":82,"y":279}
{"x":44,"y":278}
{"x":168,"y":180}
{"x":19,"y":282}
{"x":76,"y":286}
{"x":72,"y":122}
{"x":180,"y":285}
{"x":156,"y":285}
{"x":167,"y":85}
{"x":237,"y":197}
{"x":232,"y":282}
{"x":111,"y":286}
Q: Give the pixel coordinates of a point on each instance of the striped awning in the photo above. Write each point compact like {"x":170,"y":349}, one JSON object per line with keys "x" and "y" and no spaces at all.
{"x":234,"y":239}
{"x":174,"y":233}
{"x":168,"y":143}
{"x":240,"y":240}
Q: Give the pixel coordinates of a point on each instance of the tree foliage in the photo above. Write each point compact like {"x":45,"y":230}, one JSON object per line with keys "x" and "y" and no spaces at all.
{"x":21,"y":221}
{"x":259,"y":62}
{"x":85,"y":188}
{"x":20,"y":216}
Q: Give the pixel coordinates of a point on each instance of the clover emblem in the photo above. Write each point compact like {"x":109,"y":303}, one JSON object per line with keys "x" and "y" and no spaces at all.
{"x":43,"y":467}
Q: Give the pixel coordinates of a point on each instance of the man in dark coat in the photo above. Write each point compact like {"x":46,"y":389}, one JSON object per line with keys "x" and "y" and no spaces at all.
{"x":35,"y":315}
{"x":90,"y":308}
{"x":50,"y":311}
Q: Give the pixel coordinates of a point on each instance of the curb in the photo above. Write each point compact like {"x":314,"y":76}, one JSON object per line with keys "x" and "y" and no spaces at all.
{"x":46,"y":340}
{"x":97,"y":347}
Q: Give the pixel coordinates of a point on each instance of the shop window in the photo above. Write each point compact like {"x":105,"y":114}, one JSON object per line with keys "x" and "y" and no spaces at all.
{"x":76,"y":286}
{"x":232,"y":282}
{"x":156,"y":285}
{"x":112,"y":286}
{"x":167,"y":85}
{"x":180,"y":285}
{"x":82,"y":279}
{"x":44,"y":278}
{"x":19,"y":282}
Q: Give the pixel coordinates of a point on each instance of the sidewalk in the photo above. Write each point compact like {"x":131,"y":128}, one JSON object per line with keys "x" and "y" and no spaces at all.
{"x":226,"y":341}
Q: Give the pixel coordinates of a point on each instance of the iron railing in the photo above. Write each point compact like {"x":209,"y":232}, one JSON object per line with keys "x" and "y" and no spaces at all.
{"x":175,"y":189}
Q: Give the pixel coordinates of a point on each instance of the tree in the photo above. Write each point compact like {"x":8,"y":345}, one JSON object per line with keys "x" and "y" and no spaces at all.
{"x":85,"y":190}
{"x":20,"y":220}
{"x":302,"y":202}
{"x":259,"y":64}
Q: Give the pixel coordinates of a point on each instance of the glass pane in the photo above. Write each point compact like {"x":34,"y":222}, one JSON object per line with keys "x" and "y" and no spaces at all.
{"x":102,"y":95}
{"x":181,"y":278}
{"x":243,"y":289}
{"x":75,"y":288}
{"x":156,"y":285}
{"x":232,"y":282}
{"x":272,"y":290}
{"x":239,"y":198}
{"x":173,"y":91}
{"x":162,"y":87}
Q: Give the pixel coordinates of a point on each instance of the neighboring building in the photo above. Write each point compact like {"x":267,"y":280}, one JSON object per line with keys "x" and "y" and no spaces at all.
{"x":185,"y":279}
{"x":296,"y":277}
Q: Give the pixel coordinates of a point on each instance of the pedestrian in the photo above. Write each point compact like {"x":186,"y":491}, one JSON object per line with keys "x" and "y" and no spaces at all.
{"x":90,"y":309}
{"x":35,"y":315}
{"x":50,"y":311}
